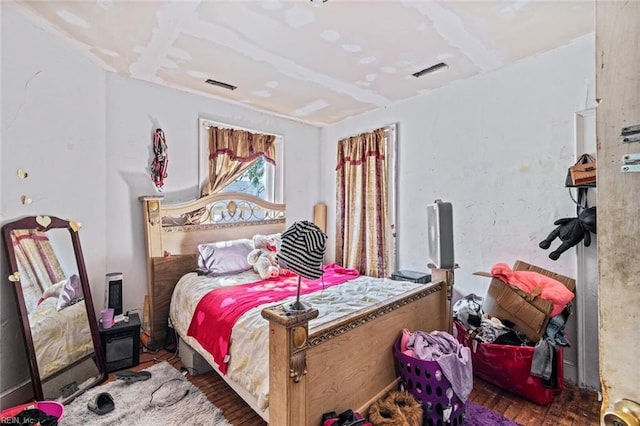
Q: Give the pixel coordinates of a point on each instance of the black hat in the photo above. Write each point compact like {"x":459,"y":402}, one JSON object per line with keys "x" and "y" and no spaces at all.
{"x":302,"y":249}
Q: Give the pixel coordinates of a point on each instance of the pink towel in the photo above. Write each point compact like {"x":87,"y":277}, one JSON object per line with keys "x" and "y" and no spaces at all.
{"x":552,"y":290}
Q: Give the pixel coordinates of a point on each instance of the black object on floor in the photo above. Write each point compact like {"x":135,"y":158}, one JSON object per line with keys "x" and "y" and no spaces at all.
{"x":132,"y":376}
{"x":101,"y":403}
{"x":121,"y":343}
{"x":69,"y":389}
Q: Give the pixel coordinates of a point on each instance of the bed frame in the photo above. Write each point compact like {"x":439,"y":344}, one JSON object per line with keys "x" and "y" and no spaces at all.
{"x":347,"y":363}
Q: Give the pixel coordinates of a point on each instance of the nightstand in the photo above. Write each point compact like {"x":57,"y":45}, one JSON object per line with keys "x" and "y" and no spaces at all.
{"x":121,"y":343}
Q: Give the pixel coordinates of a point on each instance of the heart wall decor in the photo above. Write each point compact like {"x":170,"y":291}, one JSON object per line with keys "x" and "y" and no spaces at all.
{"x":43,"y":221}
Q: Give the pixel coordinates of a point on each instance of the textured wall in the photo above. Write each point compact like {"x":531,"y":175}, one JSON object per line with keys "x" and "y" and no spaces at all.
{"x":53,"y":127}
{"x":85,"y":138}
{"x":497,"y":146}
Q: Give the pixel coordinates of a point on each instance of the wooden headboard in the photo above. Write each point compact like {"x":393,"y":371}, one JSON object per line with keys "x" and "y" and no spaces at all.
{"x":173,"y":232}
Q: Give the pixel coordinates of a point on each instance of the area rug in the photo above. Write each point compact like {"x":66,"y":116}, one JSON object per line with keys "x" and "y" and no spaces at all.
{"x":478,"y":415}
{"x":167,"y":398}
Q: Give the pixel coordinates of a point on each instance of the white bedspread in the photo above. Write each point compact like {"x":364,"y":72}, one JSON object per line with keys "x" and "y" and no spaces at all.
{"x":60,"y":338}
{"x":249,"y":351}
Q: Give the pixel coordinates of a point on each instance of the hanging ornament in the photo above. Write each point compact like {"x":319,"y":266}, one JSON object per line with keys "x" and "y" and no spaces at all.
{"x":160,"y":159}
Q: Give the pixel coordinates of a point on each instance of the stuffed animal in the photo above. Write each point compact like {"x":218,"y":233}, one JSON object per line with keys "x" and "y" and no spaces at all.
{"x":571,"y":230}
{"x":398,"y":408}
{"x":263,"y":257}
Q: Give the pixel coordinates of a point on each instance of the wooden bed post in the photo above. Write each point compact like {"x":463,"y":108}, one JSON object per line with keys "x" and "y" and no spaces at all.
{"x":153,"y":244}
{"x":153,"y":231}
{"x":288,"y":340}
{"x":446,"y":276}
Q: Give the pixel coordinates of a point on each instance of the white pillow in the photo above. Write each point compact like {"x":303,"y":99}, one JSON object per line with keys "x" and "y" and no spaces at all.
{"x":71,"y":291}
{"x":53,"y":290}
{"x":225,"y":257}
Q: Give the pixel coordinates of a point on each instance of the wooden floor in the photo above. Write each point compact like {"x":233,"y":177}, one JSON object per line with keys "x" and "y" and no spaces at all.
{"x":573,"y":407}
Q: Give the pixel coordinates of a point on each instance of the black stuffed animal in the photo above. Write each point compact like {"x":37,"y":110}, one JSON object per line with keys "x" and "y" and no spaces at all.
{"x":571,"y":230}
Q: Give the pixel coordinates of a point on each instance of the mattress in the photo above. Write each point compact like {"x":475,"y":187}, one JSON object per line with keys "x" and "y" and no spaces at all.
{"x":249,"y":351}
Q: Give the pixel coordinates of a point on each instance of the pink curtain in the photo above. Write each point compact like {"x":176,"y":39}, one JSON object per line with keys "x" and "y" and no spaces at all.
{"x":362,"y":228}
{"x":231,"y":153}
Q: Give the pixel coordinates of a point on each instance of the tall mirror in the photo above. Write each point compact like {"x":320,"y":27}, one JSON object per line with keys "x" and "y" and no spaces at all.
{"x":55,"y":306}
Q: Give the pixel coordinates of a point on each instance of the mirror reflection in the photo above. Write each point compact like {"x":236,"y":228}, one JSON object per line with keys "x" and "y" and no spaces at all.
{"x":57,"y":312}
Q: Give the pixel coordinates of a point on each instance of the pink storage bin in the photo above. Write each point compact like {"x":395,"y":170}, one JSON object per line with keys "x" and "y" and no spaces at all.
{"x":52,"y":408}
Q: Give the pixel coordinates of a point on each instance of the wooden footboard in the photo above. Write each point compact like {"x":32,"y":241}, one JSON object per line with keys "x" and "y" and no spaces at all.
{"x":348,"y":363}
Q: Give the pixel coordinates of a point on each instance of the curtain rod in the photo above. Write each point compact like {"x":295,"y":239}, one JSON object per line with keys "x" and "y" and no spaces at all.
{"x":208,"y":123}
{"x":387,"y":128}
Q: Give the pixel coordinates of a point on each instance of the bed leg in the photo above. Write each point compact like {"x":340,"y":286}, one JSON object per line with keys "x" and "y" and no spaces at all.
{"x":288,"y":335}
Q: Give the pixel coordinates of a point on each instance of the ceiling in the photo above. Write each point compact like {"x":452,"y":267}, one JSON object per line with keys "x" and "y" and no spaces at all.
{"x":313,"y":62}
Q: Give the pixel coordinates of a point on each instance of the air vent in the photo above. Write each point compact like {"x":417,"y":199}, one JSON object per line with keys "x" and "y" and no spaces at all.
{"x":221,"y":84}
{"x":431,"y":69}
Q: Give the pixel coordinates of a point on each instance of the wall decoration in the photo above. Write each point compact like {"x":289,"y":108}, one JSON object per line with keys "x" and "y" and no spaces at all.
{"x":160,"y":159}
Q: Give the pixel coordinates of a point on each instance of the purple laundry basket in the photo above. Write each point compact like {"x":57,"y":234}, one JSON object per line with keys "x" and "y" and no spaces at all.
{"x":425,"y":381}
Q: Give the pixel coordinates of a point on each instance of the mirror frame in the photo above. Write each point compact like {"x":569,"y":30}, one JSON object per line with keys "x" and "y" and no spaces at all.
{"x":34,"y":222}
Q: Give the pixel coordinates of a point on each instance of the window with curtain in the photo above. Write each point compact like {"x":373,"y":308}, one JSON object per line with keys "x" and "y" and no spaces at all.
{"x":234,"y":159}
{"x":365,"y":202}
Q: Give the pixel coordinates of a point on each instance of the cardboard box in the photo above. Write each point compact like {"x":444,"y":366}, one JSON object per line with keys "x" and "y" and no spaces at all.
{"x":528,"y":312}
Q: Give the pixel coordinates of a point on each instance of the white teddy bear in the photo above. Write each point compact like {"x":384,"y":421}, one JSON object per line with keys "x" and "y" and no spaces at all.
{"x":263,"y":257}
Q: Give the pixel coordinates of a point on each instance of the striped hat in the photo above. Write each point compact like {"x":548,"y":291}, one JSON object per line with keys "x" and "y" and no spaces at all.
{"x":302,"y":249}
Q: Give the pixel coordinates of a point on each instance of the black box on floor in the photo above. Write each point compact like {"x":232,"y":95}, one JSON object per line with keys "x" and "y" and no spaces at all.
{"x":121,"y":344}
{"x":413,"y":276}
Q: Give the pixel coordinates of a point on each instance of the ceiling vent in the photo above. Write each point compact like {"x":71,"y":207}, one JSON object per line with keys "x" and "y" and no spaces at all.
{"x":221,"y":84}
{"x":429,"y":70}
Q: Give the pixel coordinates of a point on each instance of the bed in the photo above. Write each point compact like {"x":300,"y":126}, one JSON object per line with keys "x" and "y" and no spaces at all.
{"x":330,"y":358}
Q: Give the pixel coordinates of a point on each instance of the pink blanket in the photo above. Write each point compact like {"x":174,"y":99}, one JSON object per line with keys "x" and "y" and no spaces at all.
{"x":552,"y":290}
{"x":219,"y":309}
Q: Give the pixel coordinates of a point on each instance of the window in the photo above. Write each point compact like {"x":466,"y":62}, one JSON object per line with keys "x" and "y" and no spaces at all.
{"x":262,"y":179}
{"x":253,"y":181}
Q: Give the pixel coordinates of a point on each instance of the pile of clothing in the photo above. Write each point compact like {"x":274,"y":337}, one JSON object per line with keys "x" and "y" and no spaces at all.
{"x":30,"y":417}
{"x":453,"y":358}
{"x":481,"y":327}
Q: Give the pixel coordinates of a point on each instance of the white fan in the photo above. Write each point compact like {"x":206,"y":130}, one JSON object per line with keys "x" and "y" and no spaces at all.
{"x":440,"y":235}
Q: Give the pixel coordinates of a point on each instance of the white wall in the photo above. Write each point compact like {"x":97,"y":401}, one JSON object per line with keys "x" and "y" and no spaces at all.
{"x":53,"y":127}
{"x":497,"y":146}
{"x":85,"y":138}
{"x":134,"y":110}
